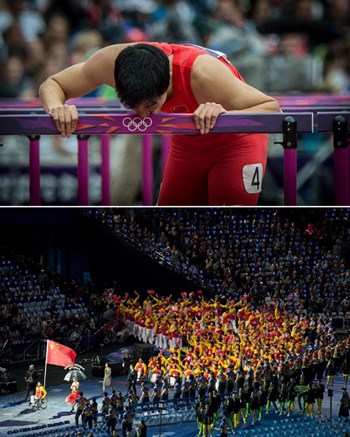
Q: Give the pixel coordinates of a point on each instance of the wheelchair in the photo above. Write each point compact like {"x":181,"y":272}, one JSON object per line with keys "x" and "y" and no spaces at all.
{"x":40,"y":404}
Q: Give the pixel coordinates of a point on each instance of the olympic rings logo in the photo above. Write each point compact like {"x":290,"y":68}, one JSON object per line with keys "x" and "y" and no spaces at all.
{"x":137,"y":123}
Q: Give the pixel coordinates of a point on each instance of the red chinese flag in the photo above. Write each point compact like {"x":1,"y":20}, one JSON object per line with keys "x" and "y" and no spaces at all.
{"x":59,"y":355}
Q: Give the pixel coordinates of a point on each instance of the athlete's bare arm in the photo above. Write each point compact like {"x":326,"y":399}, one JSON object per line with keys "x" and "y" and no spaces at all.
{"x":76,"y":81}
{"x":217,"y":90}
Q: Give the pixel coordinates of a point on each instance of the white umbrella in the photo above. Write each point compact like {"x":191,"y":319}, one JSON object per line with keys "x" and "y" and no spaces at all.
{"x":75,"y":371}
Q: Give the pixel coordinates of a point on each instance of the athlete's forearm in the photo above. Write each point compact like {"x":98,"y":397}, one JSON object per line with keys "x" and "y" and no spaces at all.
{"x":268,"y":106}
{"x":51,"y":94}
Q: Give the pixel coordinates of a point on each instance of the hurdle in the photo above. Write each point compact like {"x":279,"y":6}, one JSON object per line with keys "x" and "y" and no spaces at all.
{"x":327,"y":108}
{"x":340,"y":100}
{"x":338,"y":124}
{"x":34,"y":123}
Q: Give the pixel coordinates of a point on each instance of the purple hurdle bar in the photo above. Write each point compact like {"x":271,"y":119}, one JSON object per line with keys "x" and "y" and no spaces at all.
{"x":164,"y":124}
{"x":316,"y":103}
{"x":319,"y":99}
{"x":126,"y":123}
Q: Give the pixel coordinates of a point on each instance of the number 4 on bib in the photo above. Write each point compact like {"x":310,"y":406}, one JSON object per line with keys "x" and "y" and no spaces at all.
{"x":252,"y":178}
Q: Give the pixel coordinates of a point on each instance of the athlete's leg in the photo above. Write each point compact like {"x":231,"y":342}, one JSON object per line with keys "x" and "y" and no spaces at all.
{"x":236,"y":178}
{"x":185,"y":181}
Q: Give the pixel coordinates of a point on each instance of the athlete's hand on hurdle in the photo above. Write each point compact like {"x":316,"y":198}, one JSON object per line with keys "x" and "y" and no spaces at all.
{"x":65,"y":118}
{"x":205,"y":116}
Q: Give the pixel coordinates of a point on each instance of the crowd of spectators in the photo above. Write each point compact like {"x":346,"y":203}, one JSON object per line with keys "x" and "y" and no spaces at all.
{"x":254,"y":327}
{"x":278,"y":46}
{"x":40,"y":37}
{"x":266,"y":254}
{"x":258,"y":335}
{"x":297,"y":260}
{"x":36,"y":304}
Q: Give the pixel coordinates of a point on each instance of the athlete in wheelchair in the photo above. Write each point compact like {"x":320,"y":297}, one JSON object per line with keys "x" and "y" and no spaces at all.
{"x":39,"y":400}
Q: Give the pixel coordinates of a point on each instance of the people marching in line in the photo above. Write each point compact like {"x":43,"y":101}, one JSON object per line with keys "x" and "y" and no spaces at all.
{"x":228,"y":378}
{"x":79,"y":404}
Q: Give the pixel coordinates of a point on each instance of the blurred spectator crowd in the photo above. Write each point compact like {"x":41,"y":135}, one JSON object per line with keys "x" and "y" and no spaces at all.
{"x":279,"y":45}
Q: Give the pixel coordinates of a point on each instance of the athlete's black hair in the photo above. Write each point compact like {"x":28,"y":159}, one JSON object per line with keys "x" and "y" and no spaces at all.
{"x":141,"y":73}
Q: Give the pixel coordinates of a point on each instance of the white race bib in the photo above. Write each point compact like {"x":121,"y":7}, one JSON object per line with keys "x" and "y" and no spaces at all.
{"x":252,"y":178}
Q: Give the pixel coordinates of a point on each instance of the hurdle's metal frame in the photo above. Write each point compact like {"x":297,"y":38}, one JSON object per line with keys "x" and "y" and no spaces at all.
{"x":334,"y":119}
{"x":120,"y":121}
{"x":338,"y":123}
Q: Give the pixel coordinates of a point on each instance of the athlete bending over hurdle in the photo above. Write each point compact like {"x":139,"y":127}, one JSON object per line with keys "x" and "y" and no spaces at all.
{"x":203,"y":169}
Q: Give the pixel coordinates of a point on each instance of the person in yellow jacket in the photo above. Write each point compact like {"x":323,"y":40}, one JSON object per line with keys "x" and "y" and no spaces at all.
{"x":141,"y":369}
{"x":40,"y":393}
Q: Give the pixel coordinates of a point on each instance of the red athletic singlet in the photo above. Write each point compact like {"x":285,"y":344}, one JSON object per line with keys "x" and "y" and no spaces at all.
{"x":211,"y":169}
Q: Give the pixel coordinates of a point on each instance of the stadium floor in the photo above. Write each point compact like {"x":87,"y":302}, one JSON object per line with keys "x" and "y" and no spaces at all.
{"x":18,"y":419}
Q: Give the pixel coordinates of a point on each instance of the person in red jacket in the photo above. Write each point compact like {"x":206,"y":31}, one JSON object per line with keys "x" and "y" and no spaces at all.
{"x":216,"y":169}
